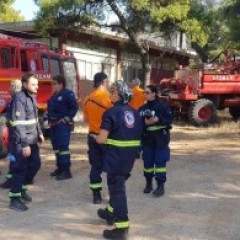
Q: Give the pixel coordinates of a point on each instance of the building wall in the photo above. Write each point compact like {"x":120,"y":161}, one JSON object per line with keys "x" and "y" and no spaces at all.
{"x":91,"y":61}
{"x":95,"y":59}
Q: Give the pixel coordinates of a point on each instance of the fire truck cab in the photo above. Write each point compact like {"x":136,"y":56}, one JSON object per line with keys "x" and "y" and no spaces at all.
{"x":19,"y":56}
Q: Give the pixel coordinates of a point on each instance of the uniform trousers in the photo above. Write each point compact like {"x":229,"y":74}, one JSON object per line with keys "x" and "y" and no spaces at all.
{"x":60,"y":137}
{"x":117,"y":197}
{"x":24,"y":169}
{"x":95,"y":155}
{"x":155,"y":160}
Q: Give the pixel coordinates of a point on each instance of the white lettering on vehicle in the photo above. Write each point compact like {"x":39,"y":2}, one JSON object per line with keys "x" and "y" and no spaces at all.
{"x":43,"y":76}
{"x":223,"y":77}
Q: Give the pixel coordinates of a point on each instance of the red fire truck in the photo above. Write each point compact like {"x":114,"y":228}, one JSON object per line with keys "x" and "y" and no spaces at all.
{"x":200,"y":91}
{"x":19,"y":56}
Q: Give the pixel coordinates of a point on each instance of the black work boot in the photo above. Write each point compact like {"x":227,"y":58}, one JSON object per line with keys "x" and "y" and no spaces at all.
{"x":56,"y":172}
{"x":97,"y":197}
{"x":25,"y":197}
{"x":159,"y":191}
{"x":116,"y":233}
{"x":17,"y":204}
{"x":6,"y":184}
{"x":64,"y":175}
{"x":104,"y":214}
{"x":149,"y":186}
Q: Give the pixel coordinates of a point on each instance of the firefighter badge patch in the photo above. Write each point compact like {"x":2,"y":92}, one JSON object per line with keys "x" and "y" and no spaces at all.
{"x":60,"y":98}
{"x":129,"y":119}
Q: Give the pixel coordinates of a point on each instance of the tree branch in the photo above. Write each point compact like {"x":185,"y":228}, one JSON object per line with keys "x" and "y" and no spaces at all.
{"x":123,"y":23}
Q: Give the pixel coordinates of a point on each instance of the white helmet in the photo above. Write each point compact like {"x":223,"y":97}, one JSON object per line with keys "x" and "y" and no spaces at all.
{"x":124,"y":92}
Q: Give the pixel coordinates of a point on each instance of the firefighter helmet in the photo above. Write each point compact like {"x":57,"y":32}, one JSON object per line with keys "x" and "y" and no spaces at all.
{"x":124,"y":92}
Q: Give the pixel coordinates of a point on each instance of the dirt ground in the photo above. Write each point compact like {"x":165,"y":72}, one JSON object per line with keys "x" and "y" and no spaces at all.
{"x":202,"y":200}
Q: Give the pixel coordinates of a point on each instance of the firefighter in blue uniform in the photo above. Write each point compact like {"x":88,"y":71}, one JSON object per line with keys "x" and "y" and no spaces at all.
{"x":62,"y":107}
{"x":24,"y":135}
{"x":121,"y":130}
{"x":157,"y":119}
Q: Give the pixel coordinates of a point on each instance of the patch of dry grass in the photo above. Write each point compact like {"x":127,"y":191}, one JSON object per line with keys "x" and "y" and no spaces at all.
{"x":225,"y":126}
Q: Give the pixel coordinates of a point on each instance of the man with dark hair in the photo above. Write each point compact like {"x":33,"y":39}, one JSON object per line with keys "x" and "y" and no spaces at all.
{"x":94,"y":106}
{"x":24,"y":135}
{"x":62,"y":107}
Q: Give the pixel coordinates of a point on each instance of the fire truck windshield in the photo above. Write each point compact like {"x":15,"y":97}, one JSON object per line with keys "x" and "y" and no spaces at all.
{"x":70,"y":74}
{"x":7,"y":57}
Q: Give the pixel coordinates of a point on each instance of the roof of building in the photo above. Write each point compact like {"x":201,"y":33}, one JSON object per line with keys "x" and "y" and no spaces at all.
{"x":25,"y":29}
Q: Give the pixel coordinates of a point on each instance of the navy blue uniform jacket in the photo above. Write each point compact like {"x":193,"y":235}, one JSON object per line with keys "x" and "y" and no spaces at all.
{"x":157,"y":138}
{"x":62,"y":104}
{"x":22,"y":115}
{"x":125,"y":129}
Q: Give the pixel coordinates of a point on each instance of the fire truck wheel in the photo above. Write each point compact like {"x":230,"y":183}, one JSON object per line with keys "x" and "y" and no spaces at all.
{"x":234,"y":112}
{"x":3,"y":132}
{"x":202,"y":112}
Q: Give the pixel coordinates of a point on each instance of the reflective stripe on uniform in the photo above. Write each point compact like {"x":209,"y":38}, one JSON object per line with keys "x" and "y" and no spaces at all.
{"x":23,"y":122}
{"x":155,"y":128}
{"x":9,"y":176}
{"x":122,"y":224}
{"x":148,"y":170}
{"x":95,"y":185}
{"x":56,"y":151}
{"x":64,"y":152}
{"x":123,"y":143}
{"x":161,"y":170}
{"x":24,"y":187}
{"x":109,"y":208}
{"x":10,"y":194}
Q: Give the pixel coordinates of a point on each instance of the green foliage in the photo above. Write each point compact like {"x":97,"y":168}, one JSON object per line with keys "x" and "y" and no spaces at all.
{"x":231,"y":14}
{"x":7,"y":13}
{"x":225,"y":32}
{"x":133,"y":17}
{"x":55,"y":15}
{"x":210,"y":28}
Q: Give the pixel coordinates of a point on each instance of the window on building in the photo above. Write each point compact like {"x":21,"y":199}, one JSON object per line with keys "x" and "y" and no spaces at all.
{"x":82,"y":69}
{"x":89,"y":75}
{"x":97,"y":67}
{"x":129,"y":73}
{"x":107,"y":68}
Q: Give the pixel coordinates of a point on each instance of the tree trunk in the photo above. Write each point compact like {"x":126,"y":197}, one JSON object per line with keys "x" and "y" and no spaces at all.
{"x":141,"y":45}
{"x":145,"y":60}
{"x":146,"y":66}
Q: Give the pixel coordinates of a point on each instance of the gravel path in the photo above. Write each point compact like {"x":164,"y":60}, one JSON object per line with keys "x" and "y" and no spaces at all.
{"x":202,"y":200}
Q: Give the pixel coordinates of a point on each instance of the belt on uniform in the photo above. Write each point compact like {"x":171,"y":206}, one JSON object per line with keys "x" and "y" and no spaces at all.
{"x":155,"y":128}
{"x":94,"y":133}
{"x":53,"y":123}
